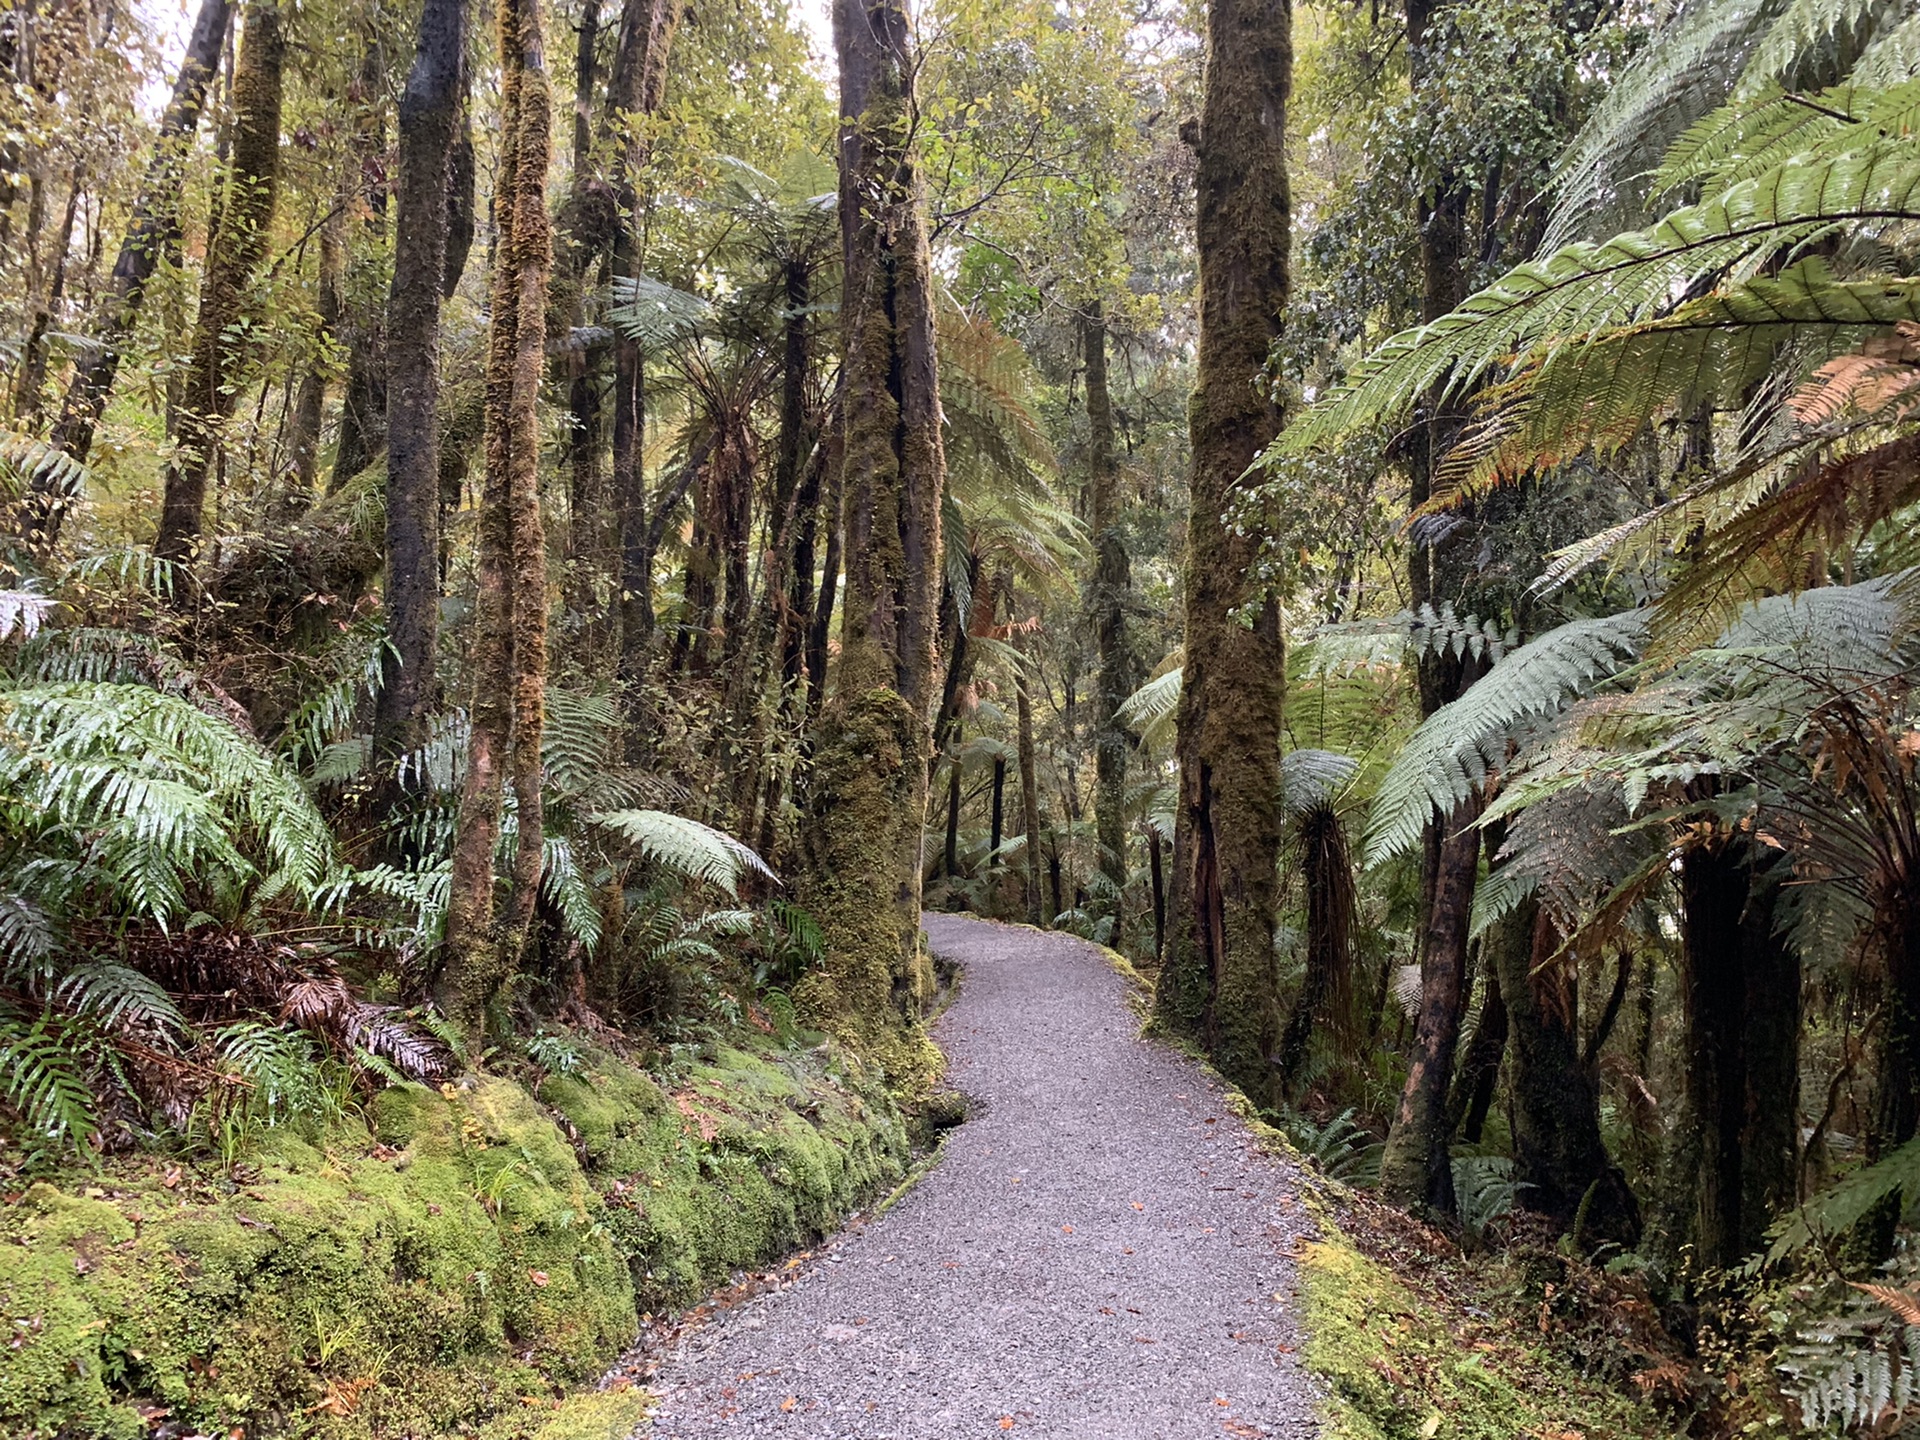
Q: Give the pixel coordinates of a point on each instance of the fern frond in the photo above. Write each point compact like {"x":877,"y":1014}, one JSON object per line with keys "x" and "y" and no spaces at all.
{"x":41,"y":1079}
{"x":1575,"y":296}
{"x":116,"y":996}
{"x":686,"y":847}
{"x":1447,"y":759}
{"x":653,"y":314}
{"x":1311,"y":778}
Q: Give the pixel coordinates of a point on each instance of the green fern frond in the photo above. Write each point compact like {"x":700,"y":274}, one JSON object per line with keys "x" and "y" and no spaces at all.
{"x":48,"y":470}
{"x":1576,"y":296}
{"x":1310,"y":779}
{"x":1599,"y":395}
{"x":115,"y":996}
{"x":41,"y":1079}
{"x":565,"y":888}
{"x":653,"y":314}
{"x":1149,"y":711}
{"x":1447,"y":759}
{"x":686,"y":847}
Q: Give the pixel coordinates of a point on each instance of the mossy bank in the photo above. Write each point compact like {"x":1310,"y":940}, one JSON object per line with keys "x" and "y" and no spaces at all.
{"x":450,"y":1267}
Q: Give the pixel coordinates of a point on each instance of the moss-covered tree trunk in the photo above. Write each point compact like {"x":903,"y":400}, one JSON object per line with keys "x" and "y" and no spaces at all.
{"x":862,"y":864}
{"x":636,"y":86}
{"x":511,"y":593}
{"x":1108,"y":594}
{"x":1559,"y":1156}
{"x":429,"y":129}
{"x":234,"y":254}
{"x":1218,"y":977}
{"x":153,"y":228}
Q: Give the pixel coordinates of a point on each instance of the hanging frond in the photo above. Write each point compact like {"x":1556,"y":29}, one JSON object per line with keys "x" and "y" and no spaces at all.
{"x":686,"y":847}
{"x":48,"y":470}
{"x":22,"y":612}
{"x":1448,"y":758}
{"x":1149,"y":711}
{"x":41,"y":1080}
{"x":1580,"y":294}
{"x":653,"y":314}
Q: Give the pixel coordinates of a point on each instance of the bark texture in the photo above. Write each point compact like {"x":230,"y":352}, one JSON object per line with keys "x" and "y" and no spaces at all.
{"x":234,"y":253}
{"x":154,"y":227}
{"x":429,"y":129}
{"x":862,"y":866}
{"x":1219,"y":974}
{"x":1107,"y":601}
{"x":511,"y":600}
{"x":1741,"y":993}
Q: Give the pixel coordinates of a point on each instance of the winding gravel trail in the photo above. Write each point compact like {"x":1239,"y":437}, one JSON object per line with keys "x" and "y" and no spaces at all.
{"x":1100,"y":1255}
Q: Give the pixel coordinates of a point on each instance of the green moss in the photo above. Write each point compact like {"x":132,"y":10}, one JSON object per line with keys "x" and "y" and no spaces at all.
{"x":1396,"y":1369}
{"x":469,"y":1253}
{"x":594,"y":1415}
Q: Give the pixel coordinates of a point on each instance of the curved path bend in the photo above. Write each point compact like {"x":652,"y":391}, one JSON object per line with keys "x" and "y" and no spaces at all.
{"x":1100,"y":1255}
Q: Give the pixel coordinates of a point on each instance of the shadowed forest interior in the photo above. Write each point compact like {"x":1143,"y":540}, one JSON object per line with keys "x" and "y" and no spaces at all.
{"x":538,"y":537}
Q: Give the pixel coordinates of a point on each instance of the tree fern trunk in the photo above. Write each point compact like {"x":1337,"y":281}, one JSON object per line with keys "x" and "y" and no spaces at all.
{"x":1029,"y":794}
{"x":1219,"y":975}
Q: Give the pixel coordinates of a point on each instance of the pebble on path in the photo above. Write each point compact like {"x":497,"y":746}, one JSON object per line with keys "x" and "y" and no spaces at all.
{"x":1100,"y":1254}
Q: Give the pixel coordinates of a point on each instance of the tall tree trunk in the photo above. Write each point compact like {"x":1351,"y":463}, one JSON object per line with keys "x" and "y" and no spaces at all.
{"x":511,"y":599}
{"x":1560,"y":1159}
{"x":363,"y":407}
{"x":636,"y":86}
{"x":1107,"y":599}
{"x":429,"y":127}
{"x":234,"y":253}
{"x":862,"y":866}
{"x":33,"y":363}
{"x":1029,"y":792}
{"x":1741,"y":989}
{"x":1219,"y":974}
{"x":1416,"y":1170}
{"x":152,"y":230}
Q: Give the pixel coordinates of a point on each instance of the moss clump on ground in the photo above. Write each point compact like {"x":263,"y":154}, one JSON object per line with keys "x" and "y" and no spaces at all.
{"x":462,"y":1257}
{"x":1399,"y":1365}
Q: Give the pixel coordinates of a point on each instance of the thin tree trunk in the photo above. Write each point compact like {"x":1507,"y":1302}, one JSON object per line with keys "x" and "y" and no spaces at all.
{"x":33,"y":364}
{"x":1107,"y":598}
{"x":862,"y":869}
{"x":510,"y":612}
{"x":1029,"y":792}
{"x":154,"y":228}
{"x":234,"y":254}
{"x":429,"y":126}
{"x":309,"y":410}
{"x":1219,"y":975}
{"x":1158,"y":873}
{"x":1416,"y":1171}
{"x":999,"y":811}
{"x":1480,"y":1067}
{"x":363,"y":406}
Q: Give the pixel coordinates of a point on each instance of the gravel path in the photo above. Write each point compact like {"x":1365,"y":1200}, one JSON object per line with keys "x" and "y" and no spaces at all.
{"x":1100,"y":1255}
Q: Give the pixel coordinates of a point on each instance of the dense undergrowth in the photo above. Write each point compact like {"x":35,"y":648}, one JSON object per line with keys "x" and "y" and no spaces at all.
{"x":444,"y":1260}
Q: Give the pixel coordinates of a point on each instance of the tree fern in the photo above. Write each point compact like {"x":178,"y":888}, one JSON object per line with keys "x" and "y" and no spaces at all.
{"x":1567,"y":301}
{"x":686,"y":847}
{"x":1447,"y":759}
